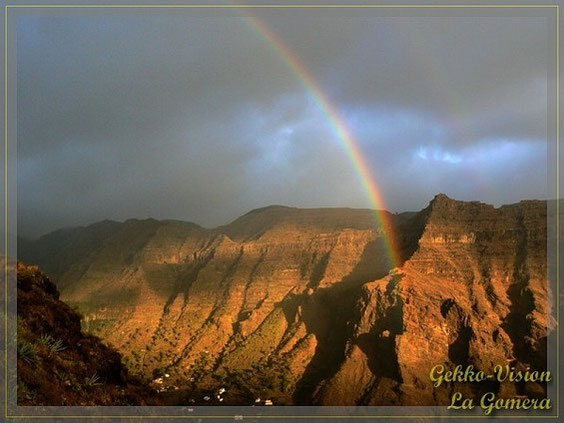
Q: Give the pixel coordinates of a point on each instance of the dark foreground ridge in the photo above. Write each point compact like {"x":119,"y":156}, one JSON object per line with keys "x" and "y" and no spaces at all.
{"x":57,"y":363}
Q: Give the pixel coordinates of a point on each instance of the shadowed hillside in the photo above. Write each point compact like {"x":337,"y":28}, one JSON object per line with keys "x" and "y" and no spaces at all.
{"x":57,"y":363}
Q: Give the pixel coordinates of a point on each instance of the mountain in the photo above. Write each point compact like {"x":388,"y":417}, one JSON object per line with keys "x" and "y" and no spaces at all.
{"x":304,"y":306}
{"x":57,"y":363}
{"x":474,"y":292}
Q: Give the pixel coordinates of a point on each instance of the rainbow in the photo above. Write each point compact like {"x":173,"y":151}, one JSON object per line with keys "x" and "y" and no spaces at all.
{"x":338,"y":125}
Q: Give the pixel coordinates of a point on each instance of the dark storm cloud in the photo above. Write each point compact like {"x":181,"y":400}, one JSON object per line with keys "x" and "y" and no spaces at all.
{"x":198,"y":118}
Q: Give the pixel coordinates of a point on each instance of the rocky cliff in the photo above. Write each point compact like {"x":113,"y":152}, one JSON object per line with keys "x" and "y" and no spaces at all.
{"x":304,"y":306}
{"x":473,"y":293}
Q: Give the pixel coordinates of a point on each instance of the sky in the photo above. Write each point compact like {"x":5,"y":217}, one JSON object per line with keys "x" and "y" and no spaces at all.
{"x":196,"y":116}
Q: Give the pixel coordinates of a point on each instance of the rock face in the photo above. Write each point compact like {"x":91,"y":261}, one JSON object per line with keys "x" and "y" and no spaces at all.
{"x":473,"y":293}
{"x":304,"y":305}
{"x":57,"y":363}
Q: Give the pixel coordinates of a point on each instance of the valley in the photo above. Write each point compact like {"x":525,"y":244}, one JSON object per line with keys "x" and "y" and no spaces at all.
{"x":305,"y":306}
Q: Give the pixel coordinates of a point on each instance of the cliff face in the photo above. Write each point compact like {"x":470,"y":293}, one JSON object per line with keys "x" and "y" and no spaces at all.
{"x":57,"y":363}
{"x":303,"y":305}
{"x":473,"y":293}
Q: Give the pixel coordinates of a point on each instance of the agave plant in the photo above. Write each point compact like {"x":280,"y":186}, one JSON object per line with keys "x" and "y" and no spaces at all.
{"x":54,"y":345}
{"x":27,"y":352}
{"x":45,"y":339}
{"x":93,"y":380}
{"x":57,"y":346}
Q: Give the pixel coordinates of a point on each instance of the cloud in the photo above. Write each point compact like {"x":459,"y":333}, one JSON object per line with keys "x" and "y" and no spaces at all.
{"x":438,"y":155}
{"x":196,"y":116}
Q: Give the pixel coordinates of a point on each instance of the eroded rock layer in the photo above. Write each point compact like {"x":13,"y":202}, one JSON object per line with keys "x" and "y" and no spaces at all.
{"x":473,"y":293}
{"x":304,"y":305}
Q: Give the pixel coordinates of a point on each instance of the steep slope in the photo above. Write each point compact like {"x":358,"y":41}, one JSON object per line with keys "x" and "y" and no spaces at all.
{"x":61,"y":249}
{"x":474,"y":292}
{"x":57,"y":363}
{"x":275,"y":288}
{"x":303,"y":306}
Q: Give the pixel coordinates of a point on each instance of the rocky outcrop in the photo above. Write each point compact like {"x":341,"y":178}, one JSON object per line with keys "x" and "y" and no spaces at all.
{"x":473,"y":293}
{"x":304,"y":305}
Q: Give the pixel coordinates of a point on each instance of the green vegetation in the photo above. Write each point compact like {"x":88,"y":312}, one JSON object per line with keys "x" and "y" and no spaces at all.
{"x":93,"y":380}
{"x":54,"y":345}
{"x":27,"y":352}
{"x":265,"y":379}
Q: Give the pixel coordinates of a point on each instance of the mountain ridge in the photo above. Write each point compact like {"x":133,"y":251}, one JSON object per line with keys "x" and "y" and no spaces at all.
{"x":310,"y":296}
{"x":406,"y":214}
